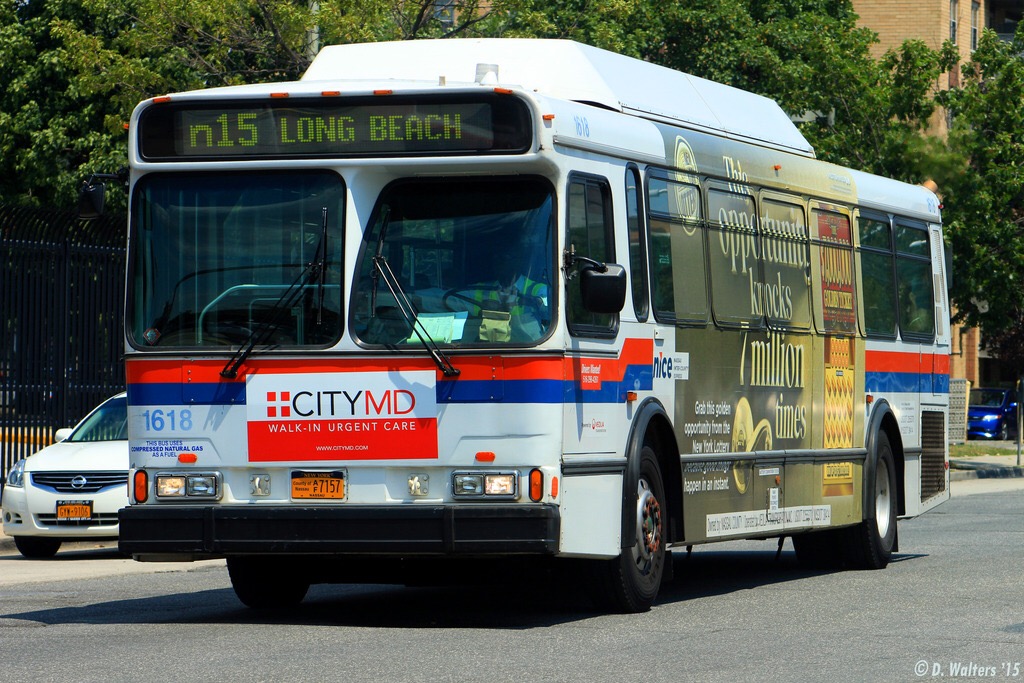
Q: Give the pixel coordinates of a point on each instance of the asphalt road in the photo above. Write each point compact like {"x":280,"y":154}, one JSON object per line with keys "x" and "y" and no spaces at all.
{"x":950,"y":601}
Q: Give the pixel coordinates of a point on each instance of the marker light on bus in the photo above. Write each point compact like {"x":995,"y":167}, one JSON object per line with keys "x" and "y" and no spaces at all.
{"x":140,"y":481}
{"x":536,"y":485}
{"x":480,"y":484}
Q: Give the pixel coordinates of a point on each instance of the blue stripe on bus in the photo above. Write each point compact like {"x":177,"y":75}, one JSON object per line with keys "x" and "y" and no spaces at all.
{"x":906,"y":382}
{"x":547,"y":391}
{"x":507,"y":391}
{"x":173,"y":393}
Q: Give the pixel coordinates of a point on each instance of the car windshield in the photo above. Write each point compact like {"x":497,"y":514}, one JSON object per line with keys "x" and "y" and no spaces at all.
{"x":106,"y":423}
{"x":987,"y":398}
{"x":225,"y":260}
{"x":474,"y":259}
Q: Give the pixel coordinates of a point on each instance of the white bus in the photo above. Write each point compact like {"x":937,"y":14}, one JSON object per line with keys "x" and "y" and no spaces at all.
{"x":476,"y":299}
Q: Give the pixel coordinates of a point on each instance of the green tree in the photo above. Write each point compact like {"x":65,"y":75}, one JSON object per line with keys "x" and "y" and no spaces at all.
{"x":75,"y":69}
{"x":82,"y":65}
{"x":52,"y":129}
{"x":984,"y":196}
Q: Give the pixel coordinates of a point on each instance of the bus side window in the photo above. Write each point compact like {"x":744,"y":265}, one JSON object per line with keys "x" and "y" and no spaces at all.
{"x":787,"y":266}
{"x":914,"y":282}
{"x":878,"y":277}
{"x":637,"y":251}
{"x":676,"y":247}
{"x":736,"y":282}
{"x":590,"y":224}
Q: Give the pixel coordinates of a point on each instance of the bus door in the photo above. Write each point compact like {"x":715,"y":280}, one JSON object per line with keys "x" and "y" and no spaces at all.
{"x":592,"y":344}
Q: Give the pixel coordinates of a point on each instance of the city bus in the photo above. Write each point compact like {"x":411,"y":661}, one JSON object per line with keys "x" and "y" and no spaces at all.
{"x":460,"y":303}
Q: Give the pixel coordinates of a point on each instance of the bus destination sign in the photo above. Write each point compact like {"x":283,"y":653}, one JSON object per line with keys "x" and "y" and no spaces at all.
{"x":334,"y":127}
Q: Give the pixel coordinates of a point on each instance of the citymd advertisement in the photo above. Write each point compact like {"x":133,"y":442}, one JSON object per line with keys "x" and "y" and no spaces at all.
{"x":342,"y":416}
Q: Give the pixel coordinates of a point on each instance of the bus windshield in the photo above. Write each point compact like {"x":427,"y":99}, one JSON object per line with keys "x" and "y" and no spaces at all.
{"x":234,"y":259}
{"x":474,"y":258}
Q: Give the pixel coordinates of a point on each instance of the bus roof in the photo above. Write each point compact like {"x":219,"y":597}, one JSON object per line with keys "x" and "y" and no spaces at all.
{"x":572,"y":71}
{"x":885,"y":194}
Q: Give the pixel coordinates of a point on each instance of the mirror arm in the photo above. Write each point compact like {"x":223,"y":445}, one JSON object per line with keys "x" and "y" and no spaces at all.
{"x":571,"y":258}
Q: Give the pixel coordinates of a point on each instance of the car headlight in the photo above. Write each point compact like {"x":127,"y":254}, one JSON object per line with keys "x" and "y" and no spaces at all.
{"x":16,"y":476}
{"x":989,"y":418}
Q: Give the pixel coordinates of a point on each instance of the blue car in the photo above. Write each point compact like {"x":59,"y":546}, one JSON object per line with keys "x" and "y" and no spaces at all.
{"x":992,"y":414}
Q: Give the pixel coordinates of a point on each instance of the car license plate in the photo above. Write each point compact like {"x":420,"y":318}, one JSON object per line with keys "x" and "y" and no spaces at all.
{"x":74,"y":510}
{"x":318,"y":485}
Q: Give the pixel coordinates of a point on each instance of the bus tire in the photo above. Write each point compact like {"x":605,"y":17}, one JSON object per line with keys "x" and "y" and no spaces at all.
{"x":630,"y":582}
{"x":871,"y":542}
{"x":266,"y":582}
{"x":35,"y":547}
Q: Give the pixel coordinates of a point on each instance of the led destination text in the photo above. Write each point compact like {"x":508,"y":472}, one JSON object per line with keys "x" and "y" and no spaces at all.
{"x":335,"y":127}
{"x":244,"y":130}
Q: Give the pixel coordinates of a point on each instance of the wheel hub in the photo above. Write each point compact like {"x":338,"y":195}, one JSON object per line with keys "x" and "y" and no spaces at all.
{"x":648,"y":523}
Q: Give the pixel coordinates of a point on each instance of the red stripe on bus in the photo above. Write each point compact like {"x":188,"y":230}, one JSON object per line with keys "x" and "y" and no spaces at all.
{"x":634,"y":352}
{"x":901,"y":361}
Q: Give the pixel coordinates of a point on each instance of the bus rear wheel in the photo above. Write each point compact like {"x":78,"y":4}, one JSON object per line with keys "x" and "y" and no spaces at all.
{"x":630,"y":582}
{"x":266,"y":582}
{"x":871,"y":542}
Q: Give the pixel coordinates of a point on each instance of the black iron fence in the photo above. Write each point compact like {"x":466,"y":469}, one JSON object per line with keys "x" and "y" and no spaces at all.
{"x":62,"y":293}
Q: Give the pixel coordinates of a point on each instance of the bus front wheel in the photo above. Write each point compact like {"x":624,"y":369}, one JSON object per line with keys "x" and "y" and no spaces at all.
{"x":630,"y":582}
{"x":266,"y":582}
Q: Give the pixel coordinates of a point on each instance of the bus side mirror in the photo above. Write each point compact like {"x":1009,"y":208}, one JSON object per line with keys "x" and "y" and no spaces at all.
{"x":92,"y":193}
{"x":90,"y":200}
{"x":603,"y":291}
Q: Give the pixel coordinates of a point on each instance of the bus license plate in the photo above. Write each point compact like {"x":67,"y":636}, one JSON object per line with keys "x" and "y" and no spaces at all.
{"x":318,"y":485}
{"x":74,"y":510}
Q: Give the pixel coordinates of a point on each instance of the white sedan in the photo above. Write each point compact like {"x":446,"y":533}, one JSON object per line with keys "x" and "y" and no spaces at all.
{"x":72,"y":490}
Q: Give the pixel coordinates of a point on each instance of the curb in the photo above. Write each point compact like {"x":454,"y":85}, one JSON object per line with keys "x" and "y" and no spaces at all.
{"x":965,"y":469}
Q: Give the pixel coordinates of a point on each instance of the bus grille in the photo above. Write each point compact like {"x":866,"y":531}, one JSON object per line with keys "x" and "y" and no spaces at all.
{"x":933,"y":453}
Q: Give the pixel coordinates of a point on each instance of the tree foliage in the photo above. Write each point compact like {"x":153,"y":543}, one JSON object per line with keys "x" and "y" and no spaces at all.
{"x":984,"y":195}
{"x":53,"y":127}
{"x":75,"y":69}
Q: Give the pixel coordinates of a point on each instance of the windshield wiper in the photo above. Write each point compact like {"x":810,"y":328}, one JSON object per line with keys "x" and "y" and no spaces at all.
{"x":411,"y":315}
{"x":381,"y":269}
{"x":314,"y":270}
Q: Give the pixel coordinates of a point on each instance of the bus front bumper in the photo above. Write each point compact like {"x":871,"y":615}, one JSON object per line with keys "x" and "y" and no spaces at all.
{"x":195,"y":532}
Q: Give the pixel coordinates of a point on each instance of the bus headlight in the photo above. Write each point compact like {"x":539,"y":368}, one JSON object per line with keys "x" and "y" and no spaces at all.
{"x":485,"y":484}
{"x":170,"y":486}
{"x":197,"y":485}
